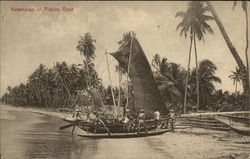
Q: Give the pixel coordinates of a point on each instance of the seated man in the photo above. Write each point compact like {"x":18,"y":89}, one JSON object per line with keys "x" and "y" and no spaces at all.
{"x":141,"y":121}
{"x":93,"y":118}
{"x":76,"y":115}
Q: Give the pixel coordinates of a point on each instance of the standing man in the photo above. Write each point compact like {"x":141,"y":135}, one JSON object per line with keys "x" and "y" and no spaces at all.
{"x":141,"y":121}
{"x":126,"y":120}
{"x":157,"y":118}
{"x":172,"y":118}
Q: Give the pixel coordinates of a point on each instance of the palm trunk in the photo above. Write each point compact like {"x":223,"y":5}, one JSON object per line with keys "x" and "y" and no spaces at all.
{"x":197,"y":76}
{"x":247,"y":62}
{"x":246,"y":53}
{"x":186,"y":84}
{"x":88,"y":78}
{"x":245,"y":81}
{"x":67,"y":90}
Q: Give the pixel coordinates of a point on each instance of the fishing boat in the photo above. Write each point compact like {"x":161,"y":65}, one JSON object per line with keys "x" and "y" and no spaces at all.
{"x":81,"y":133}
{"x":240,"y":125}
{"x":132,"y":59}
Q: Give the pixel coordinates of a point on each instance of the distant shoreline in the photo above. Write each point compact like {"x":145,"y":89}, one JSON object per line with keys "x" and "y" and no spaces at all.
{"x":62,"y":114}
{"x":35,"y":110}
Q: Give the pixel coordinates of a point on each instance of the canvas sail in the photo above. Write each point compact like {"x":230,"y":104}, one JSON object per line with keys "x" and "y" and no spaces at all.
{"x":97,"y":99}
{"x":147,"y":94}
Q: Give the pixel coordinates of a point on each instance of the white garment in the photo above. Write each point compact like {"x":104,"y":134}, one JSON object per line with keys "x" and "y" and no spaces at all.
{"x":126,"y":120}
{"x":157,"y":115}
{"x":172,"y":115}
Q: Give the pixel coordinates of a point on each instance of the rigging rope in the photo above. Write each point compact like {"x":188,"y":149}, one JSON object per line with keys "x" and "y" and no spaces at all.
{"x":106,"y":68}
{"x":100,"y":61}
{"x":112,"y":93}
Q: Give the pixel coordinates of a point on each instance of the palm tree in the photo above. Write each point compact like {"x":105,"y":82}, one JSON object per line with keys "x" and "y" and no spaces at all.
{"x":244,"y":7}
{"x":194,"y":23}
{"x":236,"y":76}
{"x":87,"y":49}
{"x":169,"y":78}
{"x":245,"y":73}
{"x":36,"y":80}
{"x":207,"y":79}
{"x":156,"y":60}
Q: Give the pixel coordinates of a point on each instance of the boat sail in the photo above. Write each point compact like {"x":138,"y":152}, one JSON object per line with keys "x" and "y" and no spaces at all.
{"x":97,"y":99}
{"x":147,"y":94}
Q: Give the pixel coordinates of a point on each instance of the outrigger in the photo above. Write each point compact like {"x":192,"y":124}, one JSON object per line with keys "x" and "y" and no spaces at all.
{"x":147,"y":96}
{"x":240,"y":125}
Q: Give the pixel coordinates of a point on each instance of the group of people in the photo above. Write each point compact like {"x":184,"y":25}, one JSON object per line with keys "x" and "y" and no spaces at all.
{"x":130,"y":121}
{"x":139,"y":122}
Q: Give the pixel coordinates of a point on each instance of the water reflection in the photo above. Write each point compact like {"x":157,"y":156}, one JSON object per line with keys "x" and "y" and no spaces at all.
{"x":37,"y":136}
{"x":46,"y":141}
{"x":27,"y":135}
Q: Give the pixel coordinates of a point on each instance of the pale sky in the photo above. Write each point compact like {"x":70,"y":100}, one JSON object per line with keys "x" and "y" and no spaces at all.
{"x":31,"y":38}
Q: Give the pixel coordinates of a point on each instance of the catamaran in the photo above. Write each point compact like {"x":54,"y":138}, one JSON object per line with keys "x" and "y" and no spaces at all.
{"x":132,"y":59}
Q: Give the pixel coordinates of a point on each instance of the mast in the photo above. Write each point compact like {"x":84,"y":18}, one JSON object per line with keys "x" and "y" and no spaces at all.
{"x":129,"y":61}
{"x":119,"y":93}
{"x":110,"y":79}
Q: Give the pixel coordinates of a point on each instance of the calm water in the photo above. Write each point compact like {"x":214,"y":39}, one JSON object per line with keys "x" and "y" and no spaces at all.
{"x":26,"y":135}
{"x":30,"y":135}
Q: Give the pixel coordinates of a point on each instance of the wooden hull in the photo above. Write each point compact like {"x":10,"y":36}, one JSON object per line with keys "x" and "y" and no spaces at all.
{"x":81,"y":133}
{"x":114,"y":127}
{"x":240,"y":125}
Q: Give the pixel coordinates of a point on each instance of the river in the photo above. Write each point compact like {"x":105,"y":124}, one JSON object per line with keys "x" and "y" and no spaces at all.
{"x":27,"y":135}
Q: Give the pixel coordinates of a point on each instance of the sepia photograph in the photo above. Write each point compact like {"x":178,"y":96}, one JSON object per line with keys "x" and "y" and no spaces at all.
{"x":124,"y":80}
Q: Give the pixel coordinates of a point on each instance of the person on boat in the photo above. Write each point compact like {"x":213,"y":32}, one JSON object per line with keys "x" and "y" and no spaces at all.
{"x":93,"y":115}
{"x":157,"y":118}
{"x":172,"y":118}
{"x":76,"y":115}
{"x":93,"y":119}
{"x":127,"y":119}
{"x":141,"y":121}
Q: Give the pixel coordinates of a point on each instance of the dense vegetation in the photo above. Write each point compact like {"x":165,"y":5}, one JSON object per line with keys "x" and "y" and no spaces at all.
{"x":64,"y":85}
{"x":182,"y":89}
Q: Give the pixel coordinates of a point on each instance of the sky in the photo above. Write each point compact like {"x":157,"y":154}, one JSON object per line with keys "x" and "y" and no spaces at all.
{"x":31,"y":38}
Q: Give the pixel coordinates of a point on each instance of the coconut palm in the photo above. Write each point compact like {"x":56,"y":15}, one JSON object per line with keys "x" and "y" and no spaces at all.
{"x":245,"y":73}
{"x":156,"y":60}
{"x":207,"y":79}
{"x":87,"y":49}
{"x":57,"y":86}
{"x":236,"y":76}
{"x":169,"y":78}
{"x":244,"y":7}
{"x":36,"y":81}
{"x":194,"y":23}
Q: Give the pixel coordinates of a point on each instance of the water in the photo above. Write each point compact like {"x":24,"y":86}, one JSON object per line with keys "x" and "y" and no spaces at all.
{"x":26,"y":135}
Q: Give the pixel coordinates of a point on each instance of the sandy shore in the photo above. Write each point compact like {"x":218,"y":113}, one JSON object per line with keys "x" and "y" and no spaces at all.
{"x":33,"y":110}
{"x":184,"y":143}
